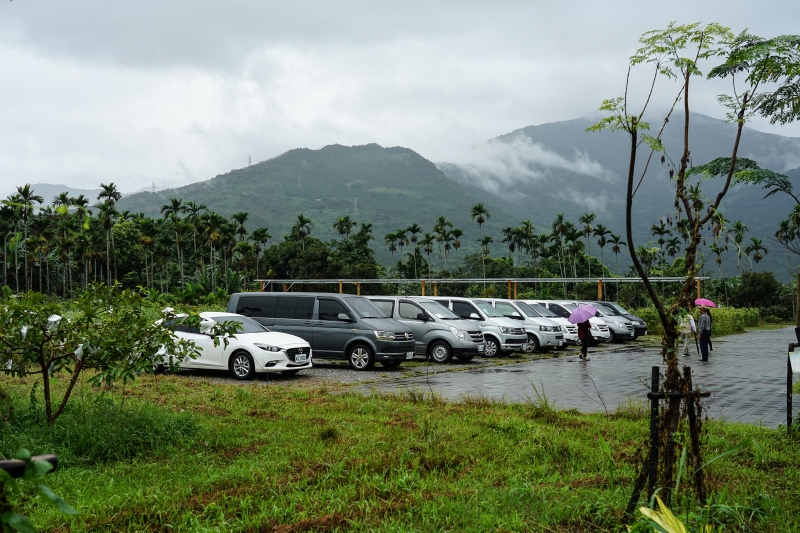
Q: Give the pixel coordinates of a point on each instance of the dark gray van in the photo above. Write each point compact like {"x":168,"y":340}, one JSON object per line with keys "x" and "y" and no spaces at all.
{"x":337,"y":326}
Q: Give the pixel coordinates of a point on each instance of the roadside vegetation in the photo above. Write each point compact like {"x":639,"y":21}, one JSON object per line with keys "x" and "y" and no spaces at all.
{"x":188,"y":455}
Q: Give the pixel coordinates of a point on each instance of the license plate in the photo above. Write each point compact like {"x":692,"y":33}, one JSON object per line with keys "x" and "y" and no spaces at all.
{"x":300,"y":358}
{"x":481,"y":347}
{"x":409,"y":355}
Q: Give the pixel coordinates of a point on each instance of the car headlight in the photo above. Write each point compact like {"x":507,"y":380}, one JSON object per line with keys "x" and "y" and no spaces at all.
{"x":267,"y":347}
{"x":458,"y":333}
{"x":594,"y":327}
{"x":385,"y":335}
{"x":619,"y":324}
{"x":504,"y":329}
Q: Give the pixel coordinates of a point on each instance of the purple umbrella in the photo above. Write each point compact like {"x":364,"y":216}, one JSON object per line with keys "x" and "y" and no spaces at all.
{"x":582,"y":313}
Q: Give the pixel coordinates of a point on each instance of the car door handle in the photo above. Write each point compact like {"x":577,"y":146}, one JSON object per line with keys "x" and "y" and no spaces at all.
{"x":319,"y":324}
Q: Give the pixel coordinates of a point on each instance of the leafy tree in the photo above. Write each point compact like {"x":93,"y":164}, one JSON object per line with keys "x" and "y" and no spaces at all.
{"x":109,"y":335}
{"x":765,"y":74}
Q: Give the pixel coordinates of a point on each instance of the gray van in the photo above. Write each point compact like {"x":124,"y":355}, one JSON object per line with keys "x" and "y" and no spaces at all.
{"x":337,"y":326}
{"x":503,"y":335}
{"x":438,"y":332}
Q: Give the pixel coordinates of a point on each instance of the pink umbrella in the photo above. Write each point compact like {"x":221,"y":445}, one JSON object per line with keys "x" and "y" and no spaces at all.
{"x":705,"y":302}
{"x":582,"y":313}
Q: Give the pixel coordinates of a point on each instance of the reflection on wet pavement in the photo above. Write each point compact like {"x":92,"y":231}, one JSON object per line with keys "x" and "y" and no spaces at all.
{"x":746,"y":376}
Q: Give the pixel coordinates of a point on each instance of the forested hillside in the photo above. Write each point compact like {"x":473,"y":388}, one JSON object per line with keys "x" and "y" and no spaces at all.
{"x":390,"y":188}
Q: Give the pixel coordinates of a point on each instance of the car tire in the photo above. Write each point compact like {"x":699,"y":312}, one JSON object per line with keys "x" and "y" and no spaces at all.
{"x":391,"y":364}
{"x":290,"y":372}
{"x":360,"y":357}
{"x":440,"y":352}
{"x":613,"y":335}
{"x":532,"y":346}
{"x":241,"y":366}
{"x":492,"y":348}
{"x":465,"y":358}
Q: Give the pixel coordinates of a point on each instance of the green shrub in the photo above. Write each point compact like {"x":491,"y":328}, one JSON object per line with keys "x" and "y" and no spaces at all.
{"x":96,"y":429}
{"x":727,"y":320}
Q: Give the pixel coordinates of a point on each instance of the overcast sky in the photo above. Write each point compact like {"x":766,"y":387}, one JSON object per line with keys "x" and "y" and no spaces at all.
{"x":173,"y":92}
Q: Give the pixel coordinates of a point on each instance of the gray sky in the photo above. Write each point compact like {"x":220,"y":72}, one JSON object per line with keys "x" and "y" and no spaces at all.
{"x":174,"y":92}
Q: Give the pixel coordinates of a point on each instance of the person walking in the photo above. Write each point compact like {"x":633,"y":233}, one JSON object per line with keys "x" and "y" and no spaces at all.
{"x":704,"y":328}
{"x":710,"y":330}
{"x":585,"y":335}
{"x":688,"y":330}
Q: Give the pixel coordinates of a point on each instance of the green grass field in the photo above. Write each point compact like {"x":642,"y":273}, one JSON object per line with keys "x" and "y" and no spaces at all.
{"x":177,"y":453}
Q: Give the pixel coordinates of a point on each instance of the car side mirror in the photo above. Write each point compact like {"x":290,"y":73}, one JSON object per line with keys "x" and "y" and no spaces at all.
{"x":516,"y":316}
{"x":422,"y":316}
{"x":343,"y":317}
{"x":474,"y":316}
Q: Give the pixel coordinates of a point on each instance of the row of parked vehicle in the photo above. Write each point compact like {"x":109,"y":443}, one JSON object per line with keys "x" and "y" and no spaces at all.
{"x":280,"y":331}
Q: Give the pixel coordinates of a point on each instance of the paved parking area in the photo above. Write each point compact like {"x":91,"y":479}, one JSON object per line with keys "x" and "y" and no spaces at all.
{"x":746,"y":376}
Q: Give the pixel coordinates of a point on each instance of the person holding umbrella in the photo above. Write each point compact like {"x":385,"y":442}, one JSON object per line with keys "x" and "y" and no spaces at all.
{"x":581,"y":316}
{"x":704,"y":327}
{"x":707,"y":304}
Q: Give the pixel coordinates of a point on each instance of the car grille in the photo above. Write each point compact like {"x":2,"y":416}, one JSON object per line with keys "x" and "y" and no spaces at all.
{"x":404,"y":336}
{"x":572,"y":330}
{"x":476,"y":336}
{"x":518,"y":331}
{"x":292,"y":353}
{"x":630,"y":327}
{"x":602,"y":328}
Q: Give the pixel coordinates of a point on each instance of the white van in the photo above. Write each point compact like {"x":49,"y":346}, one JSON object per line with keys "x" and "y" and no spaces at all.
{"x":542,"y":332}
{"x":563,"y":308}
{"x":570,"y":330}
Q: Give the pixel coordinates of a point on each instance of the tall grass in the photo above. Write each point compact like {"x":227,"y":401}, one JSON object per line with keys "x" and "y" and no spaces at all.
{"x":96,"y":429}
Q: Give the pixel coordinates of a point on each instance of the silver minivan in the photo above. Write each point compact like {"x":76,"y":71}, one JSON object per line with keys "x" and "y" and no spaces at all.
{"x":542,"y":332}
{"x":503,"y":335}
{"x":438,"y":332}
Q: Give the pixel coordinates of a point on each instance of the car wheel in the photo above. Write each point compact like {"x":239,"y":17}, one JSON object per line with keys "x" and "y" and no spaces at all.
{"x":492,"y":348}
{"x":241,"y":366}
{"x":613,"y":335}
{"x":290,"y":372}
{"x":391,"y":364}
{"x":464,"y":358}
{"x":360,"y":357}
{"x":440,"y":352}
{"x":532,"y":346}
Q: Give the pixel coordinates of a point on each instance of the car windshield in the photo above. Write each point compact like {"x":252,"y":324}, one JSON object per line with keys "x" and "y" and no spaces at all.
{"x":542,"y":310}
{"x":438,"y":310}
{"x":248,"y":325}
{"x":618,"y":308}
{"x":365,"y":309}
{"x":487,"y":309}
{"x":610,"y":311}
{"x":527,"y":309}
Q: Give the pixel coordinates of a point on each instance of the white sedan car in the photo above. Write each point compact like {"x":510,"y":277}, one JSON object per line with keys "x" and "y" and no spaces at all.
{"x":254,"y":348}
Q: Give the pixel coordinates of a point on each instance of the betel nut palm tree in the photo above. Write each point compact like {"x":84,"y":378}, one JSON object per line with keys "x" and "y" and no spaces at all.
{"x":481,"y":214}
